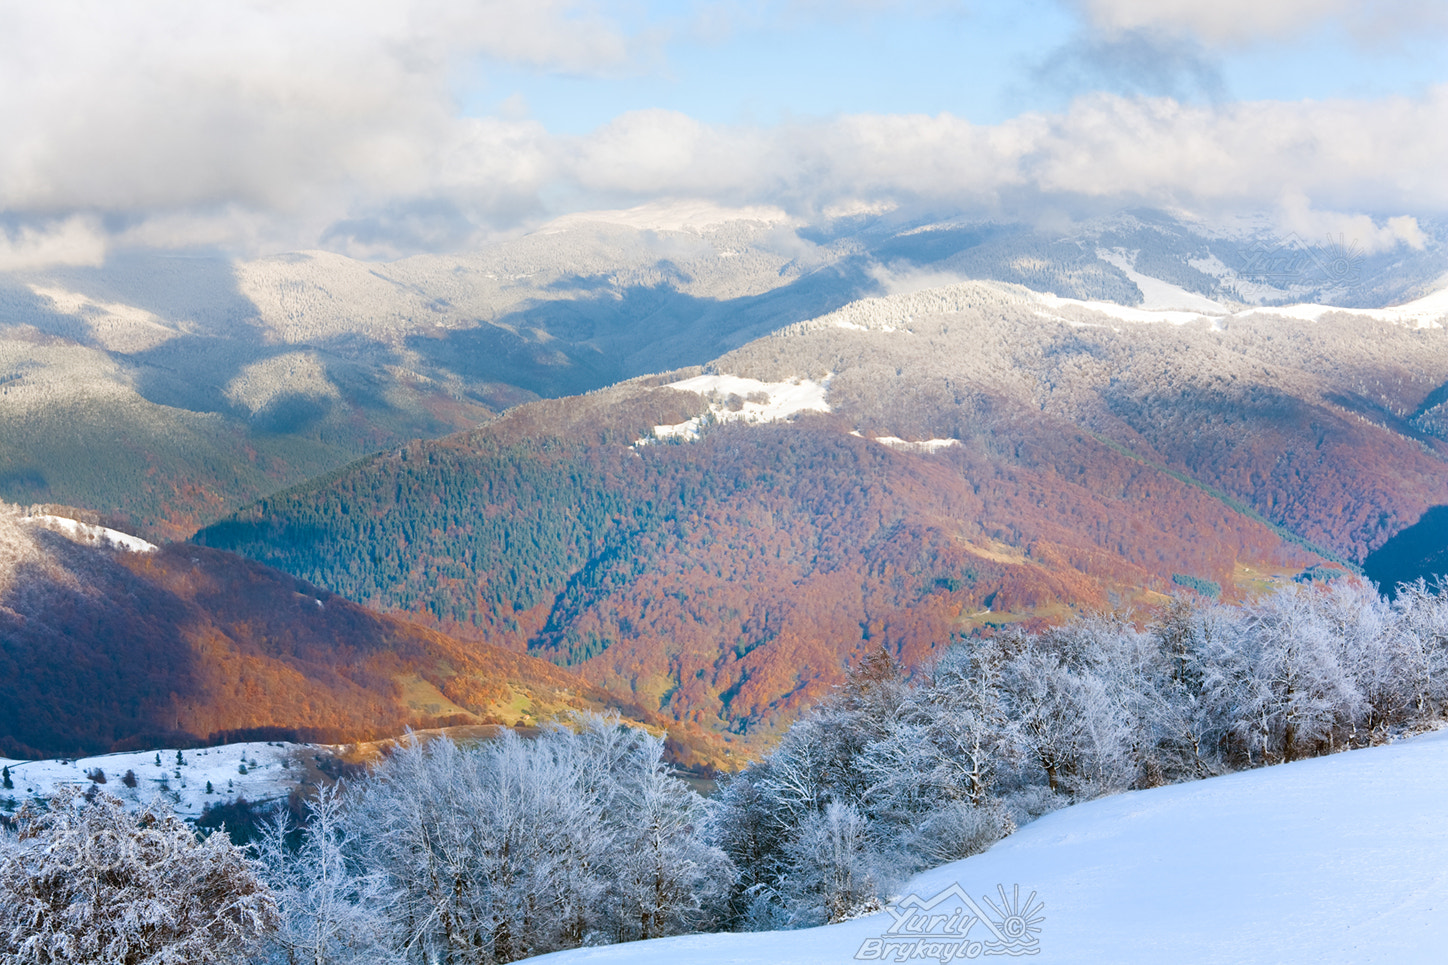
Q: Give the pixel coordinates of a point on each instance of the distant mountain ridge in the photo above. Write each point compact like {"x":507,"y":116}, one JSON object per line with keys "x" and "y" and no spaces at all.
{"x":173,"y":390}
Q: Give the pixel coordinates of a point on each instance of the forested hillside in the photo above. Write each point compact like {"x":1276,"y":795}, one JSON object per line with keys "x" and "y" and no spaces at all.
{"x":102,"y":649}
{"x":983,"y":455}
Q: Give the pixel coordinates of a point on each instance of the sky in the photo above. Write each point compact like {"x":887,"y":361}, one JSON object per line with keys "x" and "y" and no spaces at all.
{"x":385,"y":129}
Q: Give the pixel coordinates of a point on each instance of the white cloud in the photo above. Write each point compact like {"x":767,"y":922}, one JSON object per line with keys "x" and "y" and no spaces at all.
{"x":74,"y":241}
{"x":1357,"y":232}
{"x":172,"y":112}
{"x":1104,"y":150}
{"x":257,"y":125}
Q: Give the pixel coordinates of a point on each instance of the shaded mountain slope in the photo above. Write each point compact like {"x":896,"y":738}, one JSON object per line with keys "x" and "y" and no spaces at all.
{"x":102,"y":649}
{"x":1418,"y":552}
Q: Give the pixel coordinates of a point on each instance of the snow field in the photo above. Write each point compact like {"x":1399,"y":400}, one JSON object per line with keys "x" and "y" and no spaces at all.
{"x":760,"y":402}
{"x":272,"y":770}
{"x":1336,"y":859}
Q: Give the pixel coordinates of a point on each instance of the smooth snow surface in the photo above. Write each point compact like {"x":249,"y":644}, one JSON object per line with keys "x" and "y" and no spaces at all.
{"x":1128,"y":314}
{"x":757,"y":402}
{"x":1336,"y":859}
{"x":272,"y":771}
{"x":90,"y":534}
{"x":1158,"y":295}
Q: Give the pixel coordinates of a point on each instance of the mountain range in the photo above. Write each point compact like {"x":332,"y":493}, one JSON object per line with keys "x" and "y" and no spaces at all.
{"x":685,"y":462}
{"x":173,"y":390}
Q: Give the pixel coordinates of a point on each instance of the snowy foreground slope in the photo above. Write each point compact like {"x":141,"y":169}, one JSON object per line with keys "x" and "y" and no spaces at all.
{"x":1336,"y":859}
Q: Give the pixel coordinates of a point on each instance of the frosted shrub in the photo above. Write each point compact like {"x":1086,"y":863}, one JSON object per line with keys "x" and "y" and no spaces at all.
{"x":86,"y":881}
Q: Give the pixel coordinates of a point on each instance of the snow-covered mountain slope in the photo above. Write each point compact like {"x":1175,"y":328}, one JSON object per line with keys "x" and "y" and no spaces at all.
{"x":256,"y":770}
{"x":90,"y":534}
{"x":1336,"y":859}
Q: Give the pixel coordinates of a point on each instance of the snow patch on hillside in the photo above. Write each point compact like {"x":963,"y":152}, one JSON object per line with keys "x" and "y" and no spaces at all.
{"x":255,"y":770}
{"x":926,"y":445}
{"x":1337,"y":859}
{"x":1430,"y":311}
{"x":736,"y":399}
{"x":90,"y":534}
{"x":1125,"y":313}
{"x":1158,"y":295}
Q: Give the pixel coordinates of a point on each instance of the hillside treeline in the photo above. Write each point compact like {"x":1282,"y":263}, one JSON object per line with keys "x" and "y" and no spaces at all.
{"x":891,"y":776}
{"x":725,"y":583}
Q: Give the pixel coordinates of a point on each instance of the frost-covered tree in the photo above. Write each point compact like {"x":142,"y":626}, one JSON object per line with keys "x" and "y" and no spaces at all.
{"x":663,"y":876}
{"x":87,"y":881}
{"x":746,"y":826}
{"x":972,"y":736}
{"x":835,"y":867}
{"x":512,"y":848}
{"x":1294,"y":690}
{"x":332,"y":909}
{"x":491,"y":849}
{"x":1187,"y":709}
{"x":1419,"y":648}
{"x":1075,"y":716}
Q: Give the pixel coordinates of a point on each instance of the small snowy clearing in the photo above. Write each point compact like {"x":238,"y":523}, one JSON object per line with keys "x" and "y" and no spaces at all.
{"x":927,"y":445}
{"x":256,"y":770}
{"x":1158,"y":295}
{"x":853,"y":327}
{"x":1126,"y":313}
{"x":735,"y":399}
{"x":1337,"y":859}
{"x":90,"y":534}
